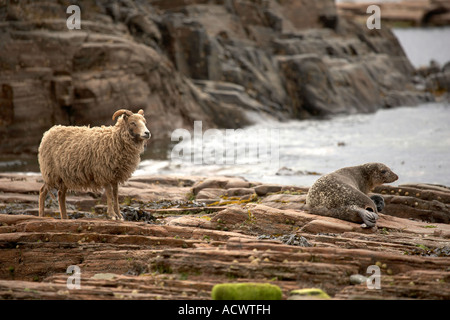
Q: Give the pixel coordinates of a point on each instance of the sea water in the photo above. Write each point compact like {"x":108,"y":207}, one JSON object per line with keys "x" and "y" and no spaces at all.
{"x":413,"y":141}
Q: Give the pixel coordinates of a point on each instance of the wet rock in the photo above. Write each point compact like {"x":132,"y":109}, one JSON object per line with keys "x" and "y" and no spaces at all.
{"x":357,"y":279}
{"x":219,"y":183}
{"x":232,"y":192}
{"x":423,"y":202}
{"x":284,"y":171}
{"x":294,"y":190}
{"x":264,"y":189}
{"x":319,"y":226}
{"x":286,"y":201}
{"x":438,"y":82}
{"x":210,"y":193}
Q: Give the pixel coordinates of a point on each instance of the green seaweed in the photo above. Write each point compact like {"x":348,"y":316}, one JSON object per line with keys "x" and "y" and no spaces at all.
{"x":312,"y":292}
{"x":421,"y":246}
{"x":246,"y":291}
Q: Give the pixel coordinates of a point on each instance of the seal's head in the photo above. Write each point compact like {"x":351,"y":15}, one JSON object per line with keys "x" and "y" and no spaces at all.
{"x":379,"y":173}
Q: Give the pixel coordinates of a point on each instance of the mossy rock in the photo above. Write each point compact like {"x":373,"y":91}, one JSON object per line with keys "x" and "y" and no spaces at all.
{"x":246,"y":291}
{"x":312,"y":293}
{"x":103,"y":276}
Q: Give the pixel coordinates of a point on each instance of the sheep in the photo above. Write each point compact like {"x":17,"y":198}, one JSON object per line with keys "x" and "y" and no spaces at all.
{"x":84,"y":158}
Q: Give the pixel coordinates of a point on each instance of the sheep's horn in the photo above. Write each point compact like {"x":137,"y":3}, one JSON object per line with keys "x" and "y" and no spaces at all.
{"x":118,"y":113}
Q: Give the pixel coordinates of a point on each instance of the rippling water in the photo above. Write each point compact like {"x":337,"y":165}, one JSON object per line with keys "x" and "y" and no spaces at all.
{"x":413,"y":141}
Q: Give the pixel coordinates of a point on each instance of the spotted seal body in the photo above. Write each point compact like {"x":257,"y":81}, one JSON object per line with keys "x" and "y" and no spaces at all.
{"x":343,"y":194}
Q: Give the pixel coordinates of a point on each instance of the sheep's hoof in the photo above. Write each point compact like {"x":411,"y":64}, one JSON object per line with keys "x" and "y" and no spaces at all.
{"x":120,"y":216}
{"x":114,"y":216}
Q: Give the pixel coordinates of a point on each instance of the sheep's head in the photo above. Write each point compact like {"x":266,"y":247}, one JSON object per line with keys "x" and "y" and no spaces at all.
{"x":135,"y":123}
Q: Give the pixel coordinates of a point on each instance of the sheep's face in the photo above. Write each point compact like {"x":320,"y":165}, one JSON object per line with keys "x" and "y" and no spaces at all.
{"x":137,"y":127}
{"x":135,"y":123}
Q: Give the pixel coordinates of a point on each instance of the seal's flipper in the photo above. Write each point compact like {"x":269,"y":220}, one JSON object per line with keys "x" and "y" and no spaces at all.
{"x":379,"y":202}
{"x":369,"y":217}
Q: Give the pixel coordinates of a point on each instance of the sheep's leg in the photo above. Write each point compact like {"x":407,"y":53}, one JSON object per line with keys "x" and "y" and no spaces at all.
{"x":42,"y":195}
{"x":109,"y":201}
{"x":62,"y":201}
{"x":115,"y":189}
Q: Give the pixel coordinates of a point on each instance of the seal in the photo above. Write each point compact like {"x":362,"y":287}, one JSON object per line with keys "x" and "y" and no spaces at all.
{"x":343,"y":194}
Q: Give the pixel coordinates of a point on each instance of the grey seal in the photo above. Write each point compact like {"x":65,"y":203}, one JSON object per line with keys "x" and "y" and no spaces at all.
{"x":343,"y":194}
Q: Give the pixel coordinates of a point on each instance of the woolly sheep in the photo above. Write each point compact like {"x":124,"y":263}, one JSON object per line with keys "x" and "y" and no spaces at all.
{"x":84,"y":158}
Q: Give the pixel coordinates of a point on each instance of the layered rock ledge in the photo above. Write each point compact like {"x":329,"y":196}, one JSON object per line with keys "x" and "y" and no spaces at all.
{"x":183,"y":235}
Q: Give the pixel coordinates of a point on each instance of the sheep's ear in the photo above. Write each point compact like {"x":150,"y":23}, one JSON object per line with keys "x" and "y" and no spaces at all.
{"x":118,"y":113}
{"x":141,"y":112}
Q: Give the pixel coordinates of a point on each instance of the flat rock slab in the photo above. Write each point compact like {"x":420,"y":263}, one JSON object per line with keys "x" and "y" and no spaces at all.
{"x":189,"y":245}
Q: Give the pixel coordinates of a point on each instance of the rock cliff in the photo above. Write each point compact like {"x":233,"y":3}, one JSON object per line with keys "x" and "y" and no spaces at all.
{"x":225,"y":62}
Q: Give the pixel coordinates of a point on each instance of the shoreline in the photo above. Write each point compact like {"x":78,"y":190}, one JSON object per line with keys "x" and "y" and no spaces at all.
{"x":309,"y":148}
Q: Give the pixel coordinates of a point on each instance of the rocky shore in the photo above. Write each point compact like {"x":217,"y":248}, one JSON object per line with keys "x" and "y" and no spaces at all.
{"x":183,"y":235}
{"x":227,"y":63}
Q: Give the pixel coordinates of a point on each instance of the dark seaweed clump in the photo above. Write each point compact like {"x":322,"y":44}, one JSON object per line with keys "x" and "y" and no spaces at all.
{"x":435,"y":252}
{"x":136,"y":214}
{"x":166,"y":204}
{"x":291,"y":239}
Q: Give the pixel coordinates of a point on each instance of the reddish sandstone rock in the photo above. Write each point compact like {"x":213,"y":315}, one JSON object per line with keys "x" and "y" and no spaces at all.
{"x":190,"y":246}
